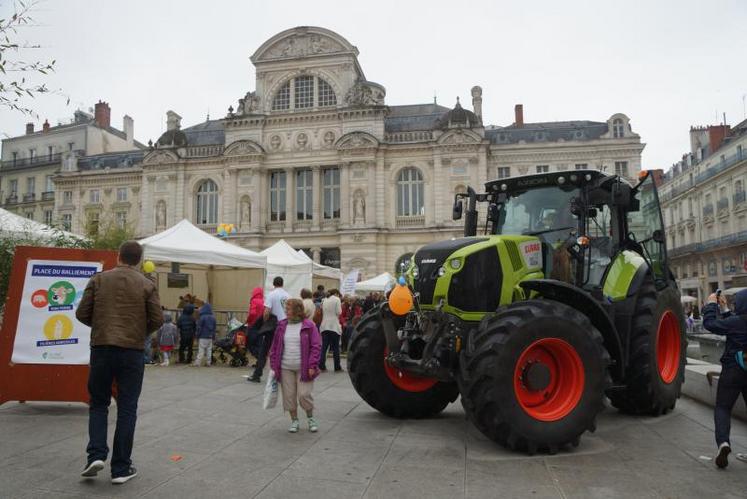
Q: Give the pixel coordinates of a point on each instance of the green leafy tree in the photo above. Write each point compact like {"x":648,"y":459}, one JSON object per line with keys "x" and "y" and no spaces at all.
{"x":109,"y":234}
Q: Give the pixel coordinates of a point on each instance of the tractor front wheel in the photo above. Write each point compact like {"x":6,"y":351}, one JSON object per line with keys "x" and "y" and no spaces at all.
{"x":532,"y":376}
{"x":391,"y":391}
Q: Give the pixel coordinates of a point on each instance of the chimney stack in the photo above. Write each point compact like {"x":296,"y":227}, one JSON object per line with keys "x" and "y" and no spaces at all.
{"x":519,"y":116}
{"x":128,"y":125}
{"x":45,"y":126}
{"x":477,"y":101}
{"x":29,"y":128}
{"x":103,"y":114}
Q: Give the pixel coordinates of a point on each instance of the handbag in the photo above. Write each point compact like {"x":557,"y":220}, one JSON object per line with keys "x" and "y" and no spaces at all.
{"x":270,"y":398}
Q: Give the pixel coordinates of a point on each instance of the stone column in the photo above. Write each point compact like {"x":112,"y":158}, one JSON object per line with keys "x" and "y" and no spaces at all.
{"x":178,"y":208}
{"x":317,"y":197}
{"x":442,"y":197}
{"x":146,"y":219}
{"x":344,"y":194}
{"x":430,"y":202}
{"x":260,"y":204}
{"x":290,"y":199}
{"x":379,"y":196}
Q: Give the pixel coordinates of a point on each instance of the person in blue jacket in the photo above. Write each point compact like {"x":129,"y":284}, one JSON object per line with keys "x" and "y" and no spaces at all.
{"x":205,"y":335}
{"x":733,"y":378}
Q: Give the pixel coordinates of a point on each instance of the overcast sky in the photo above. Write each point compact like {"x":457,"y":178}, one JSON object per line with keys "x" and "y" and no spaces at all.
{"x":666,"y":64}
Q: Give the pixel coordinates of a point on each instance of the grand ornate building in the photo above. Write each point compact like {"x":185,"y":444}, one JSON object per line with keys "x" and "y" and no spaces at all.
{"x":315,"y":155}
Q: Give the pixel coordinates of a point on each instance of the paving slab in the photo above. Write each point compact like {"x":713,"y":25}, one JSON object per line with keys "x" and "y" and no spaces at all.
{"x":203,"y":433}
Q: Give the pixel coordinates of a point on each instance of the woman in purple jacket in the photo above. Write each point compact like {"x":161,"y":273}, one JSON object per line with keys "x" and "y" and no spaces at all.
{"x":294,"y":357}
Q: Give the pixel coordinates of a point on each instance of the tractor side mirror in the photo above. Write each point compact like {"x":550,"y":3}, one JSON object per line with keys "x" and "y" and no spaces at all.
{"x":456,"y":212}
{"x":658,"y":236}
{"x":493,"y":213}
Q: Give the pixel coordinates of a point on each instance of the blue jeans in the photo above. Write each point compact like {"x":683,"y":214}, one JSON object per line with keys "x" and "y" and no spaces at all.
{"x":731,"y":383}
{"x":125,"y":367}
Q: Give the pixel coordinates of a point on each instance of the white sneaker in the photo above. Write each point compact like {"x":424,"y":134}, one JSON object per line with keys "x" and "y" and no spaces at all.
{"x":294,"y":426}
{"x":93,"y":468}
{"x":313,"y":426}
{"x":131,"y":473}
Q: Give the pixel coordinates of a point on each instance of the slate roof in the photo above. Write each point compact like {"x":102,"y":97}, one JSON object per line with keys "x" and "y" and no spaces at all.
{"x":111,"y":160}
{"x":548,"y":131}
{"x":414,"y":117}
{"x":207,"y":133}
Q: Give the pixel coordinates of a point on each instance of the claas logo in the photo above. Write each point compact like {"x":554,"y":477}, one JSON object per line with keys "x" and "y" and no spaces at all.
{"x":531,"y":248}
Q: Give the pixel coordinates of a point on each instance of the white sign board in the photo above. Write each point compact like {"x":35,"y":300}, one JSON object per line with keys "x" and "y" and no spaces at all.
{"x":48,"y":332}
{"x":348,"y":283}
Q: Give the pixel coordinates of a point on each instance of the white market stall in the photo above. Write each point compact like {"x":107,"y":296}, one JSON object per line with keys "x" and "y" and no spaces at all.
{"x":208,"y":260}
{"x":284,"y":261}
{"x":19,"y":226}
{"x":379,"y":283}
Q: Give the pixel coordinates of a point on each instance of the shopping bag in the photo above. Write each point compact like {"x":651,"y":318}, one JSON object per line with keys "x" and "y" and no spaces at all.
{"x":270,"y":399}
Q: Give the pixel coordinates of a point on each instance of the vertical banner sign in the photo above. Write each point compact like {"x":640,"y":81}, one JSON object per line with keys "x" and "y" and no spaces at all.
{"x":348,"y":283}
{"x":48,"y":332}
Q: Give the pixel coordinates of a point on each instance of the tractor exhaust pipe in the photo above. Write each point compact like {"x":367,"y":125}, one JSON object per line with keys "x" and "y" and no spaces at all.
{"x":470,"y":218}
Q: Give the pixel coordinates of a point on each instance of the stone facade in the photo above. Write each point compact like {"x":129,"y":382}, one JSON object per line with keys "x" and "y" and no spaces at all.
{"x":314,"y":155}
{"x":705,"y":213}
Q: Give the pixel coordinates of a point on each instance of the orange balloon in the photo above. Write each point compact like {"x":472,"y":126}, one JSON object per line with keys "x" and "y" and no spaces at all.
{"x":400,"y":300}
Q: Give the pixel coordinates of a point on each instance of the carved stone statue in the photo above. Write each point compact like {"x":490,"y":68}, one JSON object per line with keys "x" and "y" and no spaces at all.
{"x":329,"y":138}
{"x":246,"y":213}
{"x":302,"y":139}
{"x":359,"y":207}
{"x":275,"y":142}
{"x":363,"y":94}
{"x":161,"y":214}
{"x":249,"y":104}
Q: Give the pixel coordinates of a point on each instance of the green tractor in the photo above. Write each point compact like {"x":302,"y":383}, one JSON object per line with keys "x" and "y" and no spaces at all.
{"x":566,"y":298}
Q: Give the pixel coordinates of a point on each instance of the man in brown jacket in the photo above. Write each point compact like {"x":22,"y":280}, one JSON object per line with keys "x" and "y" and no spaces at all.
{"x":121,"y":306}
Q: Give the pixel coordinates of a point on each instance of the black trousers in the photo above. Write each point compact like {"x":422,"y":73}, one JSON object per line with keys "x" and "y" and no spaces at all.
{"x":330,"y":340}
{"x":731,"y":383}
{"x":186,"y":343}
{"x":265,"y":341}
{"x":125,"y":367}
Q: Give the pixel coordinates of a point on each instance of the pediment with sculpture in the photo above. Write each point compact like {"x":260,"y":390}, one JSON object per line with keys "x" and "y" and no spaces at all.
{"x":243,"y":148}
{"x":303,"y":41}
{"x":460,"y":136}
{"x":158,"y":157}
{"x":356,"y":140}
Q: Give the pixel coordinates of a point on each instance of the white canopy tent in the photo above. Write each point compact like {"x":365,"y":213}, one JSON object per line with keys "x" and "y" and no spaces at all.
{"x":23,"y":227}
{"x":378,"y":283}
{"x":284,"y":261}
{"x":185,"y":243}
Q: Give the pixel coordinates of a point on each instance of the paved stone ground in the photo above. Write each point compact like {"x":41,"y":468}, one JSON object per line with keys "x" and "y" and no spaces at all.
{"x":230,"y":447}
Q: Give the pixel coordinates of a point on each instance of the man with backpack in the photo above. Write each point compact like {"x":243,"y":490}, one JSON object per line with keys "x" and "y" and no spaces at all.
{"x":733,"y":378}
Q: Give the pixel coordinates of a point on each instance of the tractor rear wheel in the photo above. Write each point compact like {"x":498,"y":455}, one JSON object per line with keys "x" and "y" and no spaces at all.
{"x":658,"y":346}
{"x":391,"y":391}
{"x":532,"y":376}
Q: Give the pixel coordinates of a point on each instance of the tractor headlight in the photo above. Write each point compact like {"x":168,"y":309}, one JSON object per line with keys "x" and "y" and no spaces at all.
{"x":441,"y":271}
{"x":455,"y":263}
{"x":415,"y":272}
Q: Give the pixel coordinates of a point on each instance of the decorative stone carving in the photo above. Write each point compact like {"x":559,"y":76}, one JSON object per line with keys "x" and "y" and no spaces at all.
{"x":243,"y":148}
{"x":357,"y":140}
{"x":365,"y":94}
{"x":246,"y":213}
{"x":159,"y":157}
{"x":275,"y":142}
{"x":302,"y":140}
{"x":161,"y":214}
{"x":329,"y":138}
{"x":249,"y":104}
{"x":359,"y":207}
{"x":300,"y":45}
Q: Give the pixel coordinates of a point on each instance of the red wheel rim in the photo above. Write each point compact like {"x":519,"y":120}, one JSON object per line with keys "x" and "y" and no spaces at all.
{"x":406,"y":381}
{"x":668,"y":347}
{"x":565,"y":383}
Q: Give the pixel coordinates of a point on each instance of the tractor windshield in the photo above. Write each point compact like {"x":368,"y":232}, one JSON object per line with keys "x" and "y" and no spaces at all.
{"x":542,"y":211}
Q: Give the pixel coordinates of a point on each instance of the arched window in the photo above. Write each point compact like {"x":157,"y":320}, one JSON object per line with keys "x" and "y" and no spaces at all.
{"x":618,"y":128}
{"x":207,"y":203}
{"x":410,"y":189}
{"x":304,"y":92}
{"x":738,"y":186}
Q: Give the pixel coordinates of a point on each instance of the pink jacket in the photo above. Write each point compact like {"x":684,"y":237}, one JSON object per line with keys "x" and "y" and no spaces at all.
{"x":311,"y":349}
{"x":256,"y":307}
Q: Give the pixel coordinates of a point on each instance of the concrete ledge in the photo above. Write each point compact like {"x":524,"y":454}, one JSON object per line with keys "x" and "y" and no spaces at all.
{"x":696,"y":385}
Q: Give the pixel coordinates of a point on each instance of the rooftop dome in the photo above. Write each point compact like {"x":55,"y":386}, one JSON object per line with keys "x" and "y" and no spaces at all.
{"x":172,"y":138}
{"x":459,"y":117}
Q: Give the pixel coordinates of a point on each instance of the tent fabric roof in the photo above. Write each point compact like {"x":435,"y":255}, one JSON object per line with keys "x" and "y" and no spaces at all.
{"x":10,"y":222}
{"x":282,"y":253}
{"x":378,"y":283}
{"x":185,"y":243}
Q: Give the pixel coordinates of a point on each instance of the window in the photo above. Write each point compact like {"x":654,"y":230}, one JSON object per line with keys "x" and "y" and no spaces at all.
{"x":67,"y":221}
{"x":207,"y":203}
{"x":15,"y":157}
{"x":29,"y":215}
{"x":277,"y":196}
{"x":48,"y":217}
{"x":410,"y":190}
{"x":582,"y":166}
{"x":738,"y":187}
{"x":618,"y":129}
{"x":282,"y":98}
{"x":70,"y":146}
{"x":50,"y":152}
{"x":67,"y":197}
{"x":14,"y":187}
{"x":93,"y":223}
{"x":330,"y":257}
{"x":31,"y":155}
{"x":304,"y":195}
{"x":94,"y":196}
{"x":30,"y":185}
{"x":122,"y":219}
{"x":723,"y":160}
{"x":331,"y":193}
{"x":325,"y":95}
{"x":121,"y":194}
{"x":49,"y":184}
{"x":304,"y":92}
{"x":689,"y":207}
{"x":621,"y":168}
{"x":504,"y":171}
{"x":543,"y":168}
{"x":739,"y":153}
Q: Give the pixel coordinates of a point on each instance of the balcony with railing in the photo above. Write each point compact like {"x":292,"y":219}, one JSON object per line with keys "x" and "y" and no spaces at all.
{"x":48,"y":196}
{"x":722,"y":204}
{"x":421,"y":136}
{"x":676,"y":191}
{"x":35,"y":161}
{"x":708,"y":214}
{"x":738,"y":198}
{"x":29,"y":197}
{"x":12,"y":199}
{"x":414,"y":221}
{"x":719,"y":167}
{"x":719,"y":242}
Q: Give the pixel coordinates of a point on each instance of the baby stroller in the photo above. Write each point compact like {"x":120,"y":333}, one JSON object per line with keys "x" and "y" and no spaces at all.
{"x":233,"y":345}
